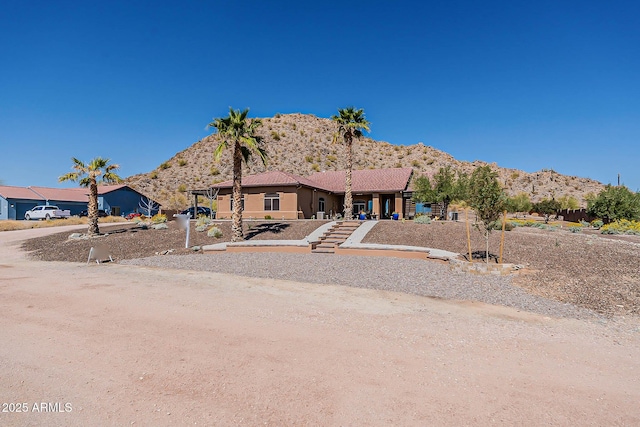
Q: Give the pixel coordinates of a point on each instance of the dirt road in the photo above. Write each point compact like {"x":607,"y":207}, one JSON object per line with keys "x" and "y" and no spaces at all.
{"x":120,"y":345}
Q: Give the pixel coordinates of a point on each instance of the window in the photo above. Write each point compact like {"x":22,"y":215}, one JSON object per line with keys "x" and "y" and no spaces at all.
{"x":321,"y":204}
{"x":231,"y":203}
{"x":271,"y":202}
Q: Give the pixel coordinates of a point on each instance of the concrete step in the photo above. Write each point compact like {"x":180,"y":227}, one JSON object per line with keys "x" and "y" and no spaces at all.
{"x":323,"y":251}
{"x":328,"y":245}
{"x":335,"y":240}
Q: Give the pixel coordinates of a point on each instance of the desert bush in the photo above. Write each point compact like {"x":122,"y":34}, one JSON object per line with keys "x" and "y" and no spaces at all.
{"x":622,"y":226}
{"x":275,"y":135}
{"x":422,"y":219}
{"x":415,"y":163}
{"x":214,"y":171}
{"x":182,"y":162}
{"x":508,"y":226}
{"x":203,"y":221}
{"x":597,"y":223}
{"x":165,"y":165}
{"x":214,"y":232}
{"x":575,"y":228}
{"x":160,"y":226}
{"x":159,"y":218}
{"x":153,"y":175}
{"x":182,"y":188}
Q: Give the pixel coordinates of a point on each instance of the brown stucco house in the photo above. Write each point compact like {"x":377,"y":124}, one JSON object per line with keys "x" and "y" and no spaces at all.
{"x":282,"y":195}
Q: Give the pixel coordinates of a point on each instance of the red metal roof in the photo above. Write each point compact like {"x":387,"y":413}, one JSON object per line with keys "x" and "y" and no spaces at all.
{"x":367,"y":180}
{"x":62,"y":194}
{"x":79,"y":194}
{"x":10,"y":192}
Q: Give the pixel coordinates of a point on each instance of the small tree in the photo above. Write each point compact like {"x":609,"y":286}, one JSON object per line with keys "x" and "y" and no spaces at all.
{"x":518,"y":203}
{"x":547,"y":207}
{"x":444,"y":189}
{"x":615,"y":203}
{"x":211,"y":194}
{"x":568,"y":202}
{"x":148,"y":205}
{"x":487,"y":198}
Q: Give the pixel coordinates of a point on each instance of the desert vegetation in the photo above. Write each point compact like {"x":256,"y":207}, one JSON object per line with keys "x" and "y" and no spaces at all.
{"x":312,"y":140}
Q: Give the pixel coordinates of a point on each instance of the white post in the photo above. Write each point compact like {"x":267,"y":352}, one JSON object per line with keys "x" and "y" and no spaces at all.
{"x":183,"y":222}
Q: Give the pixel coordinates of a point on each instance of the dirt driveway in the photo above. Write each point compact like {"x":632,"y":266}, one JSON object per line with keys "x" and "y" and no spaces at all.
{"x":122,"y":345}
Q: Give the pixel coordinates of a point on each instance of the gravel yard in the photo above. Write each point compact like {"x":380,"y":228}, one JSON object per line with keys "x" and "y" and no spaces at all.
{"x":566,"y":272}
{"x":425,"y":278}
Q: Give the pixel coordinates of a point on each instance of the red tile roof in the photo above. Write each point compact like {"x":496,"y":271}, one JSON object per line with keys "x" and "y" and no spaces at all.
{"x":368,"y":180}
{"x":270,"y":179}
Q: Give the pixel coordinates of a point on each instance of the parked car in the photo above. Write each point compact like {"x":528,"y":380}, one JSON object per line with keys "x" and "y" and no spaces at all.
{"x":201,"y":211}
{"x":46,"y":212}
{"x":132,"y":215}
{"x":101,"y":213}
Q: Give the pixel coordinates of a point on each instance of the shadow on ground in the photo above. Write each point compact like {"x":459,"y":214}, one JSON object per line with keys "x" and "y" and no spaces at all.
{"x":276,"y":227}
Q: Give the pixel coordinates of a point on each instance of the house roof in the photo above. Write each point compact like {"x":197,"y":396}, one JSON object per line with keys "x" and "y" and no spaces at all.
{"x":62,"y":194}
{"x":78,"y":194}
{"x":368,"y":180}
{"x":270,"y":179}
{"x":10,"y":192}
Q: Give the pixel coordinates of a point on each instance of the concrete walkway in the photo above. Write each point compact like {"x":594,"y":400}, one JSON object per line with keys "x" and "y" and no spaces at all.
{"x":354,"y":241}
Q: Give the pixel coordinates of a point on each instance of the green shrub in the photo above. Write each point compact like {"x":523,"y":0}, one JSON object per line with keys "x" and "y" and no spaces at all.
{"x":268,"y":217}
{"x":422,"y":219}
{"x":165,"y":165}
{"x":575,"y":228}
{"x":214,"y":232}
{"x":597,"y":223}
{"x":201,"y":227}
{"x":508,"y":226}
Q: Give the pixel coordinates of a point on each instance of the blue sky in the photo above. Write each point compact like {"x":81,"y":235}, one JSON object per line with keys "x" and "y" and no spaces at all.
{"x":528,"y":85}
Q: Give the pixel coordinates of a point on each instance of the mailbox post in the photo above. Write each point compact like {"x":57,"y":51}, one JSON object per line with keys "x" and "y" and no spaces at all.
{"x":183,"y":222}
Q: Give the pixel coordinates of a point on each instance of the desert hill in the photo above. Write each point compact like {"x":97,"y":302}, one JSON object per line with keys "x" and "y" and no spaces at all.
{"x":302,"y":144}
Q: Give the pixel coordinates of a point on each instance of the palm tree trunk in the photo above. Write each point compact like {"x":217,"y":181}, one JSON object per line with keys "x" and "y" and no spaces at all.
{"x":348,"y":198}
{"x":236,"y":227}
{"x":92,"y":209}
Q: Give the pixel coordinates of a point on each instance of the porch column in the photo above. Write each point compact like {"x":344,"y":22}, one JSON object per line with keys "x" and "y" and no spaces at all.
{"x":376,"y":204}
{"x":398,"y":205}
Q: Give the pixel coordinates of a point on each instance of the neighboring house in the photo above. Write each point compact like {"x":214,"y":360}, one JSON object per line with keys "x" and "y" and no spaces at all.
{"x":283,"y":195}
{"x":114,"y":199}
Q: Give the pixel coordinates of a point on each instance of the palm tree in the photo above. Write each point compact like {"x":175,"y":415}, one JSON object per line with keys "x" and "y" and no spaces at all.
{"x":88,"y":176}
{"x":238,"y":132}
{"x":351,"y":123}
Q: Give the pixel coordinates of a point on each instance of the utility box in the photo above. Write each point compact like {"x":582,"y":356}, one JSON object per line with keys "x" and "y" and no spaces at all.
{"x":320,"y":215}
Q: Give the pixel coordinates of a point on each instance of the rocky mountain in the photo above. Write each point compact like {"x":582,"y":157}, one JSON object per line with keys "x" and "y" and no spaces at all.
{"x":302,"y":144}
